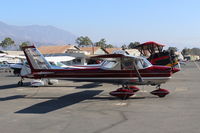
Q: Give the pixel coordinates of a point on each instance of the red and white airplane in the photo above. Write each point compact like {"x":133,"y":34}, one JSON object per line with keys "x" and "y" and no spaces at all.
{"x":115,"y":69}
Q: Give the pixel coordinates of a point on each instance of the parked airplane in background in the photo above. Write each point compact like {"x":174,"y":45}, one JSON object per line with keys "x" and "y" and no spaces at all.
{"x":156,"y":55}
{"x":4,"y":65}
{"x":6,"y":61}
{"x":115,"y":69}
{"x":55,"y":61}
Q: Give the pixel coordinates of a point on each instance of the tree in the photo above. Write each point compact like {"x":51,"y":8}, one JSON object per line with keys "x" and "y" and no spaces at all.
{"x":7,"y":42}
{"x":195,"y":51}
{"x":124,"y":47}
{"x":83,"y":41}
{"x":101,"y":43}
{"x":186,"y":51}
{"x":109,"y":46}
{"x":23,"y":44}
{"x":174,"y":49}
{"x":133,"y":45}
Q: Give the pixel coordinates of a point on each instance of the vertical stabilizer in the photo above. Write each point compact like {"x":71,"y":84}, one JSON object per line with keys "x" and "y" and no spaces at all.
{"x":35,"y":59}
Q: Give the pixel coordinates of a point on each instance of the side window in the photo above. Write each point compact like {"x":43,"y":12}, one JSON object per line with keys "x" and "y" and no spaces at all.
{"x":109,"y":64}
{"x":127,"y":64}
{"x":76,"y":61}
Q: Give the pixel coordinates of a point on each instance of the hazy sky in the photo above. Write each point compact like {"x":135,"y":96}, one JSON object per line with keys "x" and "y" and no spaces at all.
{"x":172,"y":22}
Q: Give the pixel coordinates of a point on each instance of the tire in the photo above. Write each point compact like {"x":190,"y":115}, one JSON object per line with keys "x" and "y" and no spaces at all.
{"x":20,"y":83}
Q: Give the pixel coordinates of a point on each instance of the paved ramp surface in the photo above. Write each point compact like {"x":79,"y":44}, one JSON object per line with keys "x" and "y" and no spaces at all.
{"x":73,"y":107}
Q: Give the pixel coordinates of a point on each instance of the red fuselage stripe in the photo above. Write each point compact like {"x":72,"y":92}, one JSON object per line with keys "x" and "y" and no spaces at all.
{"x":153,"y":61}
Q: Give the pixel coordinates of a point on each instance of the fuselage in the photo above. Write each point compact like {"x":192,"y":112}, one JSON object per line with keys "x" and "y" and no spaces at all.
{"x":152,"y":75}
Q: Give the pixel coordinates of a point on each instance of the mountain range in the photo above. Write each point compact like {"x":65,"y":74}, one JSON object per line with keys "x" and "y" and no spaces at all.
{"x":41,"y":35}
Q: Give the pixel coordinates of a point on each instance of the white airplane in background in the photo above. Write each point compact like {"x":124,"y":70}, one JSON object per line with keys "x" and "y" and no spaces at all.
{"x":6,"y":61}
{"x":11,"y":59}
{"x":55,"y":61}
{"x":3,"y":63}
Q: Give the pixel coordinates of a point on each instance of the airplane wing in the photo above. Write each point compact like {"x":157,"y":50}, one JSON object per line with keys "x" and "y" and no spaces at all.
{"x":59,"y":58}
{"x":15,"y":56}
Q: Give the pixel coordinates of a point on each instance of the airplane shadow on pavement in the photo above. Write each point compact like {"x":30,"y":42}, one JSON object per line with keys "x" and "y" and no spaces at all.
{"x":89,"y":85}
{"x":84,"y":86}
{"x":61,"y":102}
{"x":10,"y":86}
{"x":12,"y":97}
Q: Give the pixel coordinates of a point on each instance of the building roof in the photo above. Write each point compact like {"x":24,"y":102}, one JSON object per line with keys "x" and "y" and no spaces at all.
{"x":111,"y":50}
{"x":15,"y":53}
{"x":90,"y":49}
{"x":134,"y":52}
{"x":55,"y":49}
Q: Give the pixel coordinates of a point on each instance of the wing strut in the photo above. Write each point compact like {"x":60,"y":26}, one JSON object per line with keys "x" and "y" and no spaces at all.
{"x":137,"y":72}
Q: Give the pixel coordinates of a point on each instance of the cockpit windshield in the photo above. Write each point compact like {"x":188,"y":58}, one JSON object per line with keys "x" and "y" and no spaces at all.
{"x":142,"y":63}
{"x":129,"y":63}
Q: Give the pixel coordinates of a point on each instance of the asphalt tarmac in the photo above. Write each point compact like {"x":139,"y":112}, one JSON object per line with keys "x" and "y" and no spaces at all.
{"x":73,"y":107}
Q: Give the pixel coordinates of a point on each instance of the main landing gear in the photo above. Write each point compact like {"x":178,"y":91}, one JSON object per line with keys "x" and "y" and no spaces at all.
{"x":160,"y":92}
{"x":20,"y":83}
{"x":127,"y":91}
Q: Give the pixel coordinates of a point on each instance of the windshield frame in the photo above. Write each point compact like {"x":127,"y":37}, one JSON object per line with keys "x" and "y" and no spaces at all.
{"x":143,"y":62}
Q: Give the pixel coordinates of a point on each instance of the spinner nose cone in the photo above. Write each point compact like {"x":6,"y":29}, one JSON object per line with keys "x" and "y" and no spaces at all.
{"x":174,"y":70}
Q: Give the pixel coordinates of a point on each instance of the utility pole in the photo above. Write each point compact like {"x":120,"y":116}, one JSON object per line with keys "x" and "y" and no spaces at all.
{"x":93,"y":48}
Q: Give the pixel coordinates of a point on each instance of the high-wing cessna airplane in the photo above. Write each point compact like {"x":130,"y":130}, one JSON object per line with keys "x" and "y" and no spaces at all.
{"x":115,"y":69}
